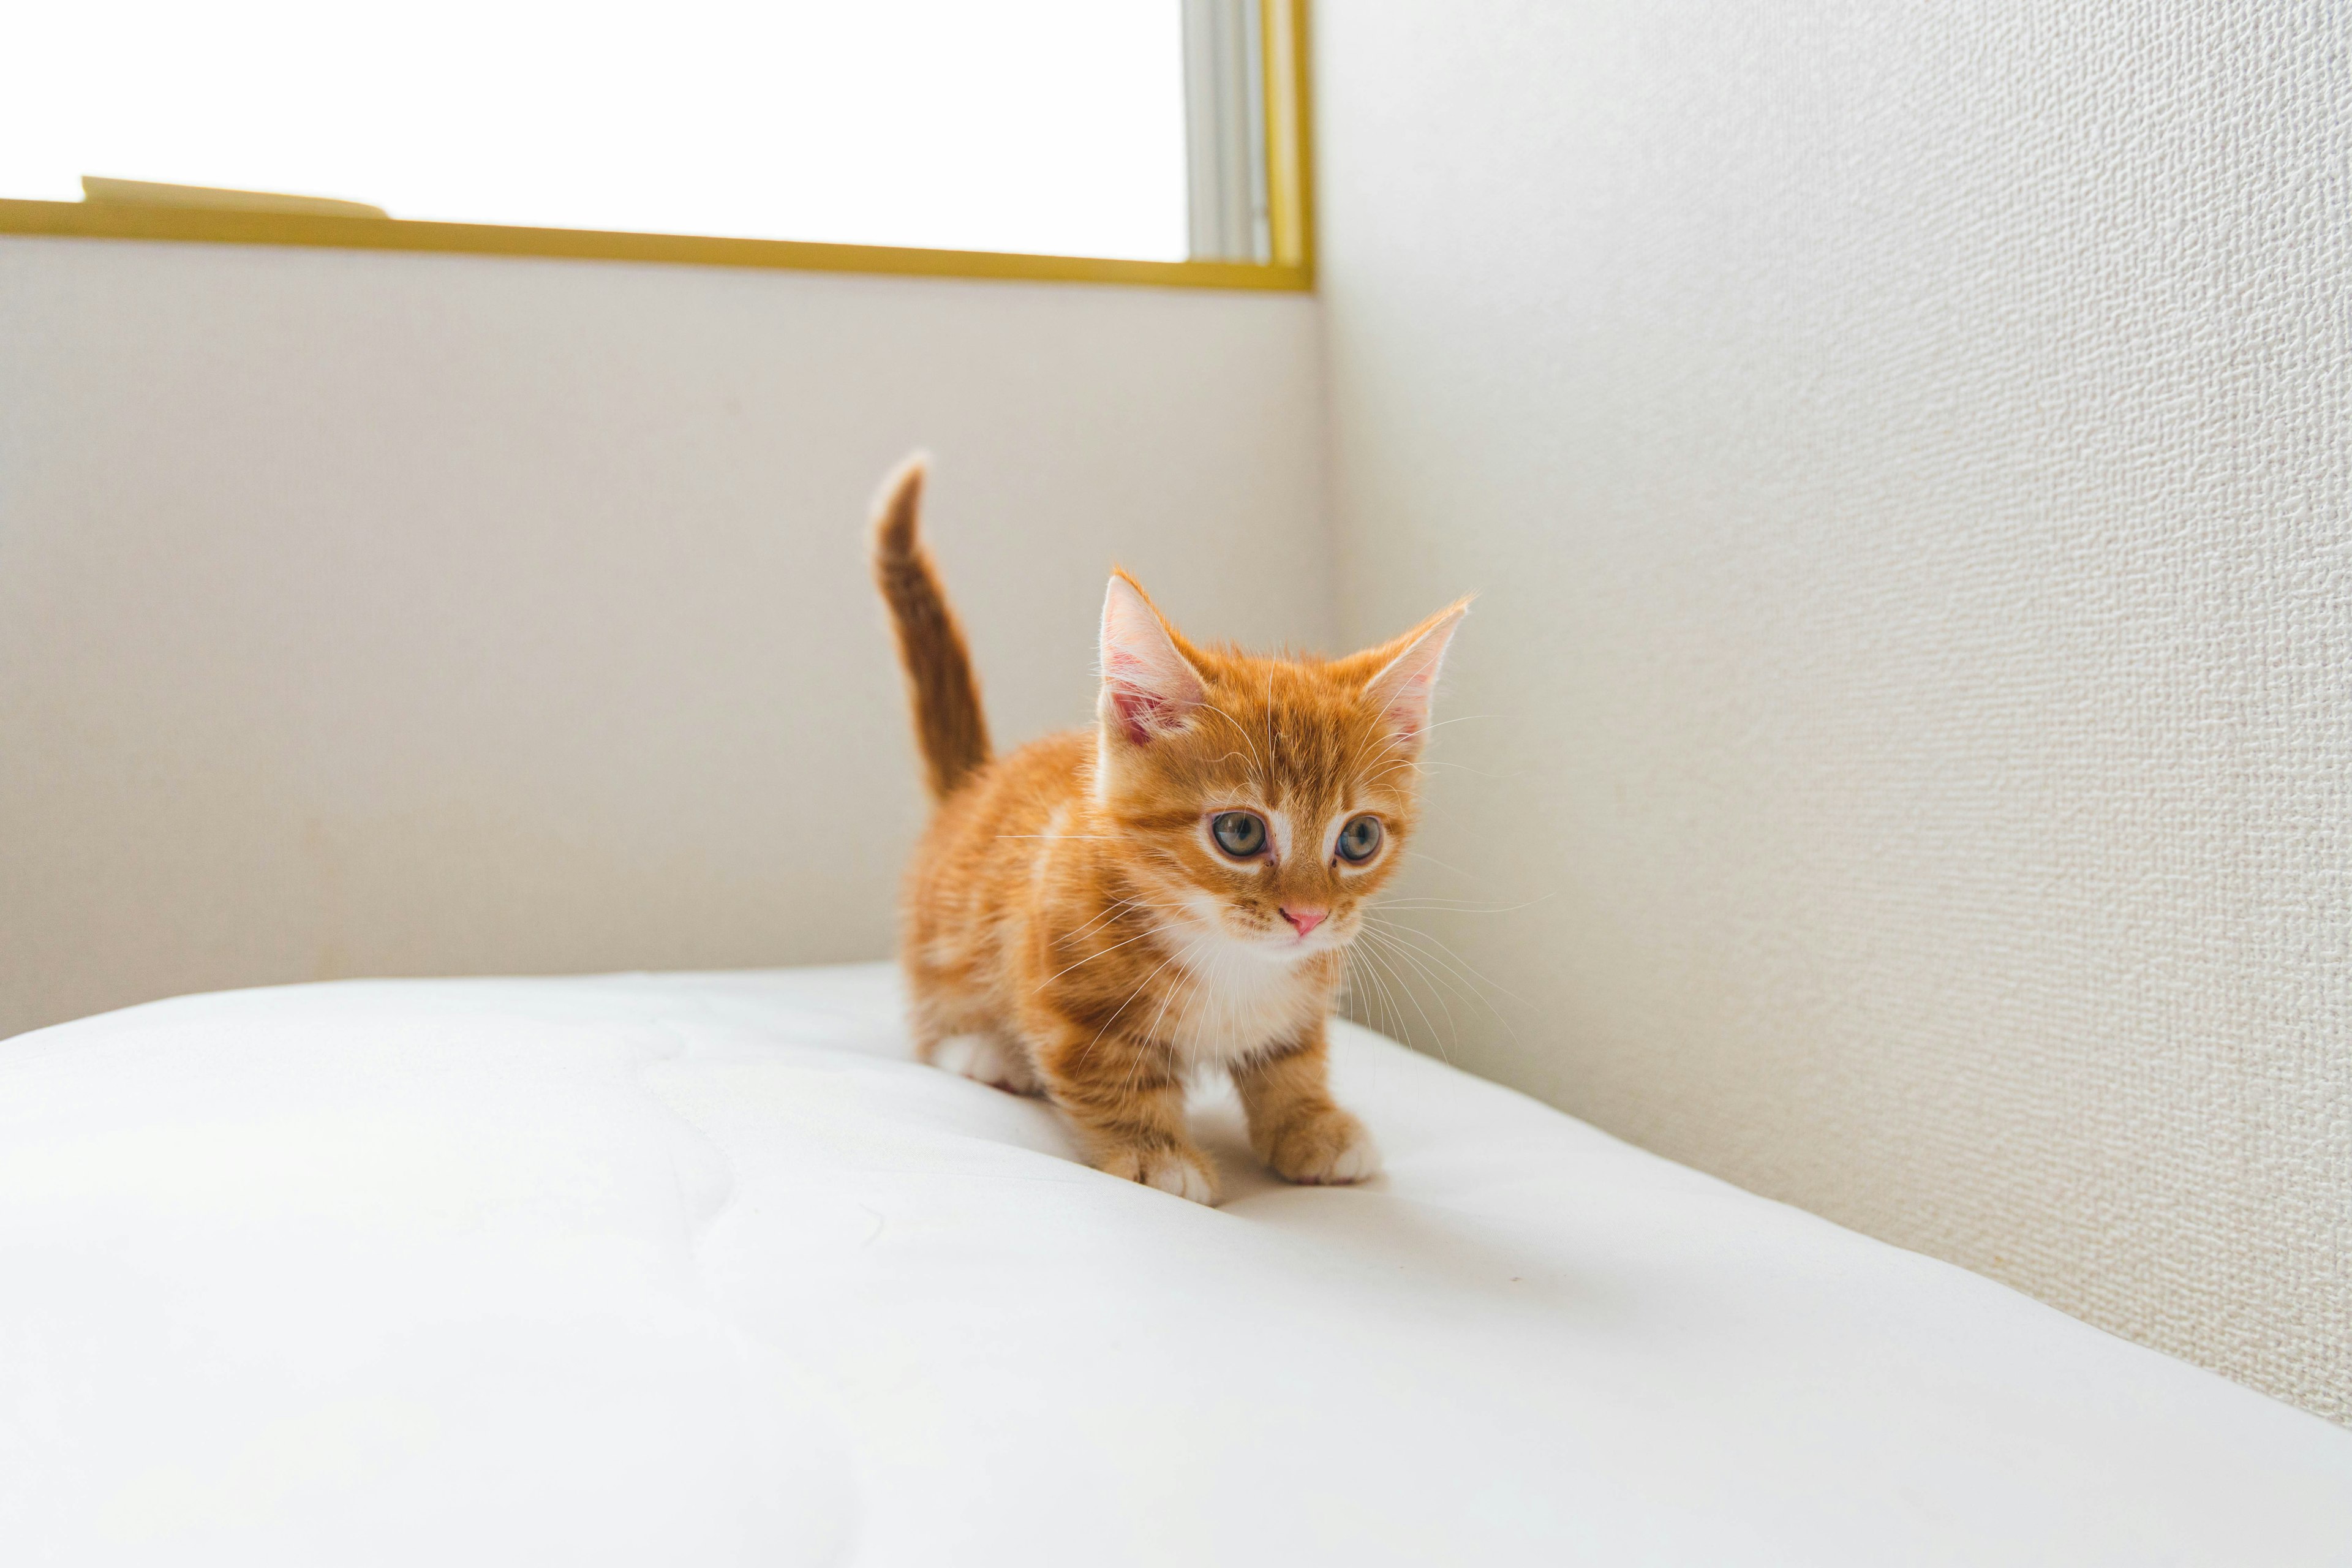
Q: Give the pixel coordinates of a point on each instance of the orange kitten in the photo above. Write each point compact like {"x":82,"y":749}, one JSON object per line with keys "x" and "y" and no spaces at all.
{"x":1105,"y":910}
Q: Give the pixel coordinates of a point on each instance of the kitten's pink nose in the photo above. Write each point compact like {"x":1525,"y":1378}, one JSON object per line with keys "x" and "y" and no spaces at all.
{"x":1306,"y":921}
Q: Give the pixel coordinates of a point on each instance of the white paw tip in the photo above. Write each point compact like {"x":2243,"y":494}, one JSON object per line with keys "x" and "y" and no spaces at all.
{"x":1180,"y":1177}
{"x":1357,"y":1159}
{"x":978,"y":1057}
{"x":1359,"y":1162}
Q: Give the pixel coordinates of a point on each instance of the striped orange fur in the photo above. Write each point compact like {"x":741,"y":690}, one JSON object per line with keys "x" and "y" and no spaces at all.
{"x":1095,"y":918}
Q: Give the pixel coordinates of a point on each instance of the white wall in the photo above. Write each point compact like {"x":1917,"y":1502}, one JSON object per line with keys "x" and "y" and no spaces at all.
{"x":376,"y":613}
{"x":1906,"y":451}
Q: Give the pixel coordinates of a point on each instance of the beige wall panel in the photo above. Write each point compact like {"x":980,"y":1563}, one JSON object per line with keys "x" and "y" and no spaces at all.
{"x":1907,"y":454}
{"x":413,"y":615}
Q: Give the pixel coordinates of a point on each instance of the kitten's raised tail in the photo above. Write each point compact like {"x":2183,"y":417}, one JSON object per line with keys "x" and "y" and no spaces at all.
{"x":947,"y":719}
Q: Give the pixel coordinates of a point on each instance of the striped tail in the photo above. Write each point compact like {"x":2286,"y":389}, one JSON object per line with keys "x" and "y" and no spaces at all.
{"x":947,"y":720}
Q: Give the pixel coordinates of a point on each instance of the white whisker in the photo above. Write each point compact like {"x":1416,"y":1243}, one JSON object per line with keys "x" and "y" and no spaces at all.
{"x":1089,"y":958}
{"x":1122,"y":1007}
{"x":1450,"y":1022}
{"x":1457,"y":906}
{"x":1412,"y":996}
{"x":1450,"y":962}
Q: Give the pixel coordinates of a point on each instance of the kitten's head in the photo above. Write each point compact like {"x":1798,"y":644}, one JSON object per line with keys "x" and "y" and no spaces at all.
{"x":1260,"y":802}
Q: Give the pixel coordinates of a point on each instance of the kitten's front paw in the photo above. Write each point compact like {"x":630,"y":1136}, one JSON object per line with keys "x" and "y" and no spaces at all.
{"x":1183,"y":1172}
{"x":1331,"y":1149}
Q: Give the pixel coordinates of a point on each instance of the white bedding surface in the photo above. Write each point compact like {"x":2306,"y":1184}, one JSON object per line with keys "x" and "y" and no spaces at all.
{"x":702,"y":1269}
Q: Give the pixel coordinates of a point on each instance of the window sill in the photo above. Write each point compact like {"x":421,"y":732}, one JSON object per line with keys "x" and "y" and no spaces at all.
{"x":110,"y":220}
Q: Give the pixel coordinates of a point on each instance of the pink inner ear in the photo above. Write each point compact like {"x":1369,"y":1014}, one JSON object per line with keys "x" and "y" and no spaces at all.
{"x":1141,"y":714}
{"x":1409,"y":704}
{"x":1404,"y":688}
{"x":1149,"y":684}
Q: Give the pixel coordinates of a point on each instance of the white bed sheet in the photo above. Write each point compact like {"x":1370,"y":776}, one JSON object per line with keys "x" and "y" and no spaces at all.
{"x":702,"y":1269}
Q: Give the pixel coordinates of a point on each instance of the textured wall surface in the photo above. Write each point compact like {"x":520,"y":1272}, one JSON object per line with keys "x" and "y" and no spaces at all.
{"x":1907,"y":455}
{"x":367,"y":614}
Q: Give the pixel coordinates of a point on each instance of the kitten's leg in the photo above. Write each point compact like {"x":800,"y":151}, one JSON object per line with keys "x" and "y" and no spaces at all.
{"x":1126,"y":1101}
{"x":1293,"y":1124}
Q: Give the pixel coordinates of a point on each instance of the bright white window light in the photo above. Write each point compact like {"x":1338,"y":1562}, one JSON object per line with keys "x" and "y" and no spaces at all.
{"x":1049,"y":126}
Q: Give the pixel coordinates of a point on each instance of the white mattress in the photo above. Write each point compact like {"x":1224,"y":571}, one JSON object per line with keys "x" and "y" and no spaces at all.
{"x":702,"y":1269}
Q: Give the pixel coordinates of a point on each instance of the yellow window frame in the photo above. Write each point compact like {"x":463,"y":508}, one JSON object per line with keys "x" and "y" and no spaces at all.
{"x":1289,"y":191}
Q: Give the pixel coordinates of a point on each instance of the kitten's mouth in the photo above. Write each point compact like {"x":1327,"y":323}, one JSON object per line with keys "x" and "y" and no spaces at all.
{"x":1286,"y":944}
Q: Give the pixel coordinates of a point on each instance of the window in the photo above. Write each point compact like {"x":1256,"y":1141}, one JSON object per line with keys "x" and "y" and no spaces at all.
{"x":1154,"y":141}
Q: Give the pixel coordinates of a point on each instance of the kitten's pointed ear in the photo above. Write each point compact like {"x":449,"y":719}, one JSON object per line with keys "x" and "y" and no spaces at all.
{"x":1149,"y":687}
{"x":1406,"y":682}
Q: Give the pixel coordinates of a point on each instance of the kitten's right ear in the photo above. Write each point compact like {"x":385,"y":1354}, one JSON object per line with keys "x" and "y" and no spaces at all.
{"x":1406,"y":682}
{"x":1148,"y":686}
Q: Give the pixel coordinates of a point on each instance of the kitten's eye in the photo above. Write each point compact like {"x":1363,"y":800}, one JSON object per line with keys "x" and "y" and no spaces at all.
{"x":1361,"y":839}
{"x":1240,"y":834}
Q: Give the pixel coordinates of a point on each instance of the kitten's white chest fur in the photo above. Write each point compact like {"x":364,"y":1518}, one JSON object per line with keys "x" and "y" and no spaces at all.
{"x":1233,"y":1005}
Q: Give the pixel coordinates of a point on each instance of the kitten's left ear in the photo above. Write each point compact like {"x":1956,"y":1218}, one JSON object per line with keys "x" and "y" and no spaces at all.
{"x":1149,"y":687}
{"x":1402,"y":689}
